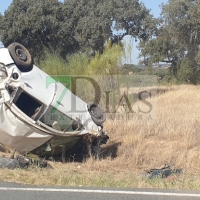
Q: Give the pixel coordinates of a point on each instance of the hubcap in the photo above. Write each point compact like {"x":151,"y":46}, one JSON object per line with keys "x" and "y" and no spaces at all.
{"x":94,"y":112}
{"x":20,"y":54}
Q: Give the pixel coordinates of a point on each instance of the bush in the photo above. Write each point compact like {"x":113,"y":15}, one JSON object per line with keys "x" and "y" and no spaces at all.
{"x":80,"y":64}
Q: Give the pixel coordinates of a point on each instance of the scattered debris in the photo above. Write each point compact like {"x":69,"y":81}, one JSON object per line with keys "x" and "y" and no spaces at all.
{"x":163,"y":172}
{"x":20,"y":161}
{"x":9,"y":163}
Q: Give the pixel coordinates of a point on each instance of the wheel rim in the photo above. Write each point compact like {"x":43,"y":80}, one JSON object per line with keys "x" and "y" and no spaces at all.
{"x":95,"y":113}
{"x":20,"y":54}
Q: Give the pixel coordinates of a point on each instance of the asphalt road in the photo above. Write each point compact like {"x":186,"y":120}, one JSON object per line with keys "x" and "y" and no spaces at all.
{"x":11,"y":191}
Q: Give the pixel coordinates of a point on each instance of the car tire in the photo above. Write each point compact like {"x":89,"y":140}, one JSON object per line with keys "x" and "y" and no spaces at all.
{"x":21,"y":57}
{"x":97,"y":113}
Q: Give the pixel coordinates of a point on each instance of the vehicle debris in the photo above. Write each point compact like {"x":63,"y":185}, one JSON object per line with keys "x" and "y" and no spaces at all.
{"x":45,"y":119}
{"x":9,"y":163}
{"x":21,"y":162}
{"x":163,"y":172}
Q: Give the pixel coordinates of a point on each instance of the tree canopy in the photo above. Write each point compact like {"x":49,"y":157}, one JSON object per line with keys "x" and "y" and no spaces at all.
{"x":177,"y":39}
{"x":73,"y":26}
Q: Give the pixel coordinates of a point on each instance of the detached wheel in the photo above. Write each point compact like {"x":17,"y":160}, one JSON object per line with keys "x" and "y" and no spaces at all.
{"x":21,"y":57}
{"x":97,"y":113}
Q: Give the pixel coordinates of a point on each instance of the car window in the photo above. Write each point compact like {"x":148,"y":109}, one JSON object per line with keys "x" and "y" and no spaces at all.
{"x":27,"y":104}
{"x":57,"y":120}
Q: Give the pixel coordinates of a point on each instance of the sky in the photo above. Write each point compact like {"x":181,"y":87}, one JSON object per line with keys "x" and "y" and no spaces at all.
{"x":130,"y":57}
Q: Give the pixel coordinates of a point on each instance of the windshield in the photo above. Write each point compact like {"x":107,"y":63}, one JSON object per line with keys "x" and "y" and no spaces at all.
{"x":58,"y":121}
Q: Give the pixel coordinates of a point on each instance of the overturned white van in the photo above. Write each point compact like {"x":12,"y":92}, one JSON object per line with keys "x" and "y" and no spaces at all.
{"x":46,"y":119}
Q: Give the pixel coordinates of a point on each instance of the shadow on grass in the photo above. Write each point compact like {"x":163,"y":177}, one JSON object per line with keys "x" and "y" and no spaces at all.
{"x":109,"y":151}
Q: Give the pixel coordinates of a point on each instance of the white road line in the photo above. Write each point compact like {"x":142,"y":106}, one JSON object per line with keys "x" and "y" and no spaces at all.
{"x":100,"y":191}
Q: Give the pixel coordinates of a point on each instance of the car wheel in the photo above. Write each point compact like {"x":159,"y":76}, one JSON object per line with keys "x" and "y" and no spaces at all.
{"x":21,"y":57}
{"x":97,"y":113}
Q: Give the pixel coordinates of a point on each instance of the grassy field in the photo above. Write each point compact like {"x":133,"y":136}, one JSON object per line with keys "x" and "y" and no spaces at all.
{"x":172,"y":136}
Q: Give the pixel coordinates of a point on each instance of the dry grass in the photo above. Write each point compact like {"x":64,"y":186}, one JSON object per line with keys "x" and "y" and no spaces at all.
{"x":172,"y":136}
